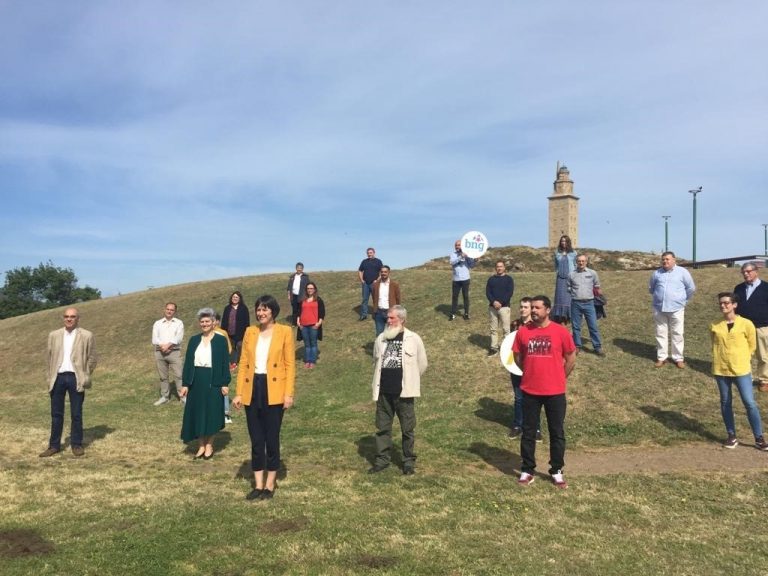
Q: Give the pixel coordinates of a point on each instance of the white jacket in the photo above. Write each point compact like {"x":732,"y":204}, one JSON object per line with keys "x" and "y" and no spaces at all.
{"x":414,"y":364}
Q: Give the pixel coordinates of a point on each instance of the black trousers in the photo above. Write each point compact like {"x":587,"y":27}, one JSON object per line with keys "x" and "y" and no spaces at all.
{"x":554,"y":408}
{"x":264,"y":422}
{"x":463,"y":286}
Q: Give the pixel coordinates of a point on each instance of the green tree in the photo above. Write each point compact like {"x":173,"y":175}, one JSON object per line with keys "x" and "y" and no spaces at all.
{"x":30,"y":289}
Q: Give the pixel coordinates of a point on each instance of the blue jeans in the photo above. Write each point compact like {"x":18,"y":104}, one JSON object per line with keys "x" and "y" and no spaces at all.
{"x":309,"y":335}
{"x":380,"y":320}
{"x":744,"y":384}
{"x":66,"y":383}
{"x":366,"y":297}
{"x":517,"y":410}
{"x":587,"y":308}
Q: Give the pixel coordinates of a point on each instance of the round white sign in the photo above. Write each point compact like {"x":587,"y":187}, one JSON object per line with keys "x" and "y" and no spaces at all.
{"x":506,"y":355}
{"x":474,"y":244}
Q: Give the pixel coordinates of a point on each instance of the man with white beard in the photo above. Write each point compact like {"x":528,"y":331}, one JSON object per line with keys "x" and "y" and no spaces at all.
{"x":400,"y":361}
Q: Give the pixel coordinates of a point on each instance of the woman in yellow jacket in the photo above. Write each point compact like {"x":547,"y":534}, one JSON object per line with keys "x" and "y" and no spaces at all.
{"x":265,"y":385}
{"x":733,"y":343}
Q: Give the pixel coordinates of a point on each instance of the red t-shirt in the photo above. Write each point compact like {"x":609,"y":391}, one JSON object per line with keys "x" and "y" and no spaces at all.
{"x":541,"y":353}
{"x":309,"y":313}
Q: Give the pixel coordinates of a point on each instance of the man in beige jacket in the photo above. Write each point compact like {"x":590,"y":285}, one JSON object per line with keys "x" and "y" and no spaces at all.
{"x":400,"y":361}
{"x":71,"y":361}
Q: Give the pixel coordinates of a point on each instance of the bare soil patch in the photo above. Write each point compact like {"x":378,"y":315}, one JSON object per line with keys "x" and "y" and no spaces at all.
{"x":696,"y":457}
{"x":21,"y":543}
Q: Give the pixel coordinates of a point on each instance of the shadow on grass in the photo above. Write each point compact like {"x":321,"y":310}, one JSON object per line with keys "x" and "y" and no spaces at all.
{"x":220,"y":441}
{"x":245,"y":472}
{"x":480,"y":341}
{"x":503,"y":460}
{"x":366,"y":448}
{"x":639,"y":349}
{"x":444,"y":309}
{"x":679,"y":422}
{"x":90,"y":435}
{"x":494,"y":411}
{"x":368,"y":348}
{"x":701,"y":366}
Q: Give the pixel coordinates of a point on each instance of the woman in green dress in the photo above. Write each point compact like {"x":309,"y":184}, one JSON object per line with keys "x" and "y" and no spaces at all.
{"x":205,"y":383}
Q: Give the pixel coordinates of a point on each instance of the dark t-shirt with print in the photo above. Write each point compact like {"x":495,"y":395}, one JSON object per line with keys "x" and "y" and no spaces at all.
{"x":392,"y":366}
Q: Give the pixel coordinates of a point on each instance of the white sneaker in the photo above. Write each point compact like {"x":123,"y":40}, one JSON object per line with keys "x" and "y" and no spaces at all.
{"x":558,"y":480}
{"x":227,"y":419}
{"x":525,"y":479}
{"x":160,"y":401}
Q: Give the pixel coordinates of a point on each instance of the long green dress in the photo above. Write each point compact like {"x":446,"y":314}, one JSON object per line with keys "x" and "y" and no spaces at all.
{"x":204,"y":410}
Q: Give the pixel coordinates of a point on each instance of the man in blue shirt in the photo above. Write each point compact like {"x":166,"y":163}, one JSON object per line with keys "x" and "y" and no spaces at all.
{"x":671,"y":288}
{"x":460,"y":263}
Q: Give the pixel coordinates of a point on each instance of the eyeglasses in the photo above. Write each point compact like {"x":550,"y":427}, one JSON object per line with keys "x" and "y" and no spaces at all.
{"x":65,"y":316}
{"x":725,"y":303}
{"x":749,"y":271}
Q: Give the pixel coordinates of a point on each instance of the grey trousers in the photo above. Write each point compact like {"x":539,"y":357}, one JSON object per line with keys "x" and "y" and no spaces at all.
{"x":167,"y":364}
{"x":387,"y":406}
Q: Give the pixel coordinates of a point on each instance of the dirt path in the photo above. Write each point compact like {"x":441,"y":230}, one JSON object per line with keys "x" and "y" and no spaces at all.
{"x":698,"y":457}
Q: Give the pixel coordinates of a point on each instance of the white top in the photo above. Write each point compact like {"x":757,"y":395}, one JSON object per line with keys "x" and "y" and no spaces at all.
{"x":203,"y":355}
{"x":167,"y":332}
{"x":751,"y":287}
{"x":262,"y":352}
{"x":383,"y":303}
{"x":296,"y":284}
{"x":66,"y":361}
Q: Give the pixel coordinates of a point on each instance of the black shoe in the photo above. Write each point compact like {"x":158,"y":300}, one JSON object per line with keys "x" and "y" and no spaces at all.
{"x":515,"y":431}
{"x":266,"y":494}
{"x":408,"y":471}
{"x":466,"y":316}
{"x":254,"y":494}
{"x":363,"y":318}
{"x":600,"y":353}
{"x":376,"y":468}
{"x":538,"y":436}
{"x":452,"y":317}
{"x":493,"y":352}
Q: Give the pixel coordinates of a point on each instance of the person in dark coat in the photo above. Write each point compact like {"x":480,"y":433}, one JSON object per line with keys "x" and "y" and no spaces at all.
{"x":235,"y":320}
{"x":205,"y":382}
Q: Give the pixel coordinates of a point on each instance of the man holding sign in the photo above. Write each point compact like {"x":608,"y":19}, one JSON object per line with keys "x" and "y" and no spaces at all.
{"x":460,"y":265}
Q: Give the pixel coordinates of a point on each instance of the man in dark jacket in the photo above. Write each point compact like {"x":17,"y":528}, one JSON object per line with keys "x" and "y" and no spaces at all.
{"x":499,"y":290}
{"x":297,"y":285}
{"x":753,"y":305}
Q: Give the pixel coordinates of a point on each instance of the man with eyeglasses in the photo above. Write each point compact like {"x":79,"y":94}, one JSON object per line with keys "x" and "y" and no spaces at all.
{"x":753,"y":305}
{"x":71,"y":361}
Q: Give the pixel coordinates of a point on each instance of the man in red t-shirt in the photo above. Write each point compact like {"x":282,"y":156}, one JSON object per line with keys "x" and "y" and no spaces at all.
{"x":546,"y":353}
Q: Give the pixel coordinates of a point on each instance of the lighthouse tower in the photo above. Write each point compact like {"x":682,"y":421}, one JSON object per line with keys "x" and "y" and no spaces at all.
{"x":563,"y":209}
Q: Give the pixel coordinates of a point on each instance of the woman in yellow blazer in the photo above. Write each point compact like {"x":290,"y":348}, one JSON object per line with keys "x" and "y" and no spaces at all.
{"x":265,"y":385}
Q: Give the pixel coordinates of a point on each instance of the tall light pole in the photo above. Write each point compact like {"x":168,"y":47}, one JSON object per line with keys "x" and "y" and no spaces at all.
{"x":666,"y":233}
{"x":694,"y":192}
{"x":765,"y":239}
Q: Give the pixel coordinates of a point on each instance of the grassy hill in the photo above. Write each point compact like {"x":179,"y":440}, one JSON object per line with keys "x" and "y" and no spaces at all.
{"x":137,"y":504}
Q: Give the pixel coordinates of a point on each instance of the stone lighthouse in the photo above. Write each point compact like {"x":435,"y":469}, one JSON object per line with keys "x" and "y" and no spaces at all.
{"x":563,"y":209}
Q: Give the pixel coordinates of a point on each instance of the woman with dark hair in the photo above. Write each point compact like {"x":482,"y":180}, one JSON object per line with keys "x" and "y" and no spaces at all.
{"x":310,"y":324}
{"x":565,"y":263}
{"x":205,"y":382}
{"x":265,"y":386}
{"x":235,"y":320}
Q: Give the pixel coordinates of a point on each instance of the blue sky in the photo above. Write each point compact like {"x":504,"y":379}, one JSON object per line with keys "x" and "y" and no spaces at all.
{"x":153,"y":143}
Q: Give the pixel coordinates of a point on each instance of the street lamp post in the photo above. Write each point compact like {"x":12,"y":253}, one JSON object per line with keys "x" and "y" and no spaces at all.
{"x":765,"y":239}
{"x":666,"y":233}
{"x":694,"y":192}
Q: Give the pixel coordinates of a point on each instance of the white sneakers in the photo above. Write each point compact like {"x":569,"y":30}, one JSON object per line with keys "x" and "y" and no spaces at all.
{"x":160,"y":401}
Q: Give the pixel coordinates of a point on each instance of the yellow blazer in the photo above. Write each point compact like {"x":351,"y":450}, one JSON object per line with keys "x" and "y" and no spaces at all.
{"x":281,"y":365}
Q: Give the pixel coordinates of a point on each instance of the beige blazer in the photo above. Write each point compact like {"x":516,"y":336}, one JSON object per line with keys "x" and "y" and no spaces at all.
{"x":83,"y":357}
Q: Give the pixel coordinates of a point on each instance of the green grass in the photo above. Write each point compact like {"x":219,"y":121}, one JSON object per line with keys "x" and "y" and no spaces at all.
{"x":137,"y":504}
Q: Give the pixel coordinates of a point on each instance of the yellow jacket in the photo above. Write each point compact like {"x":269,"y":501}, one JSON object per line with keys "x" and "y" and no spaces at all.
{"x":281,"y":365}
{"x":732,"y":351}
